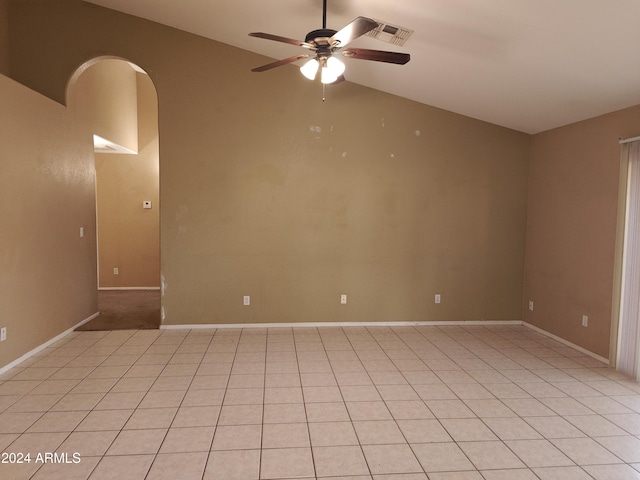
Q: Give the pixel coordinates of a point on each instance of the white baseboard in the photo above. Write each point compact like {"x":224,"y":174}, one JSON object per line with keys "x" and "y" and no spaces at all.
{"x":128,"y":288}
{"x":567,"y":343}
{"x":339,"y":324}
{"x":313,"y":325}
{"x":33,"y":352}
{"x":197,"y":326}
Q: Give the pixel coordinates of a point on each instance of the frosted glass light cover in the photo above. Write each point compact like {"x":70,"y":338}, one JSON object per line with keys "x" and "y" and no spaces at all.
{"x":310,"y":69}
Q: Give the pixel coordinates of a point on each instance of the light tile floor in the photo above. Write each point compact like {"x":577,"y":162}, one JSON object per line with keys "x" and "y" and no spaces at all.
{"x":403,"y":403}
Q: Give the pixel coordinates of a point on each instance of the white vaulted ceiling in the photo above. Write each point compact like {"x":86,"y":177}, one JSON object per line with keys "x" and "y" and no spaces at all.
{"x":530,"y":65}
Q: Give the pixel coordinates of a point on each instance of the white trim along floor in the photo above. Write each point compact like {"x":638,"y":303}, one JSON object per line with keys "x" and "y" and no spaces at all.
{"x":412,"y":402}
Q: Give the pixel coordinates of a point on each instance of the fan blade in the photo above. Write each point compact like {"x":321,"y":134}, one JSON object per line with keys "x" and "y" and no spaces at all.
{"x":377,"y":55}
{"x":355,"y":29}
{"x":279,"y":63}
{"x":277,"y":38}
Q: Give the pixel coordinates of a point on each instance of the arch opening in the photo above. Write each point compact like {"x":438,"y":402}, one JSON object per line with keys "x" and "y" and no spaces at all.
{"x":117,"y":101}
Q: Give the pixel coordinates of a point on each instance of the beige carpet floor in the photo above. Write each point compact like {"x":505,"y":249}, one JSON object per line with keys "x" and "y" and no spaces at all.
{"x":126,"y":310}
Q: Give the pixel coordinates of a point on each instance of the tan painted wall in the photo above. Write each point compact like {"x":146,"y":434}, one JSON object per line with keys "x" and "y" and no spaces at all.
{"x":105,"y":97}
{"x":128,"y":235}
{"x":47,"y":272}
{"x":268,"y":192}
{"x":571,"y":231}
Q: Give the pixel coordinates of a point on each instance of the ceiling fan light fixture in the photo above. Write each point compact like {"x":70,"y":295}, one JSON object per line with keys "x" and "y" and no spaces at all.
{"x":310,"y":69}
{"x":326,"y":77}
{"x":331,"y":70}
{"x":335,"y":66}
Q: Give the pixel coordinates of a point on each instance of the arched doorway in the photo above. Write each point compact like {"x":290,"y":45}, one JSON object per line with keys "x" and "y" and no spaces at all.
{"x":118,"y":102}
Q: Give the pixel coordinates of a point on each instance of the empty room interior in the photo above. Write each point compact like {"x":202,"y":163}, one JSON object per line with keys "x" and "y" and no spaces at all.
{"x":423,"y":266}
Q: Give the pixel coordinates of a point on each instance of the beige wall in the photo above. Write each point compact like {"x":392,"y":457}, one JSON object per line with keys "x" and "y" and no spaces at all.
{"x":266,"y":191}
{"x":571,"y":231}
{"x":105,"y":97}
{"x":129,"y":235}
{"x":47,"y":272}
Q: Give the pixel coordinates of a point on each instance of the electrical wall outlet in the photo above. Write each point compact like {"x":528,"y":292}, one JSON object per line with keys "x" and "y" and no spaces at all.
{"x":343,"y":299}
{"x":437,"y":298}
{"x":585,"y":321}
{"x":116,"y":271}
{"x":3,"y":334}
{"x":246,"y":300}
{"x":531,"y":305}
{"x":81,"y":232}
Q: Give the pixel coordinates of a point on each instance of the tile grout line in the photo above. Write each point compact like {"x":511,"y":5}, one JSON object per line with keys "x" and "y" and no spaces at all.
{"x":522,"y":350}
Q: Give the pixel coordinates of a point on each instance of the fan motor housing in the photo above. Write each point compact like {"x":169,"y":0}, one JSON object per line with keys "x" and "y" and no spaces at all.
{"x":321,"y":33}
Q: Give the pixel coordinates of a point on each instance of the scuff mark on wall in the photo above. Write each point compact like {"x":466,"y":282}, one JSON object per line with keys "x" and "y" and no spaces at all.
{"x":317,"y":129}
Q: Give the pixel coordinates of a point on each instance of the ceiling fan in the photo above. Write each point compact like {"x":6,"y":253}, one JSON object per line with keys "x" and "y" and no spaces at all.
{"x":325,"y":44}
